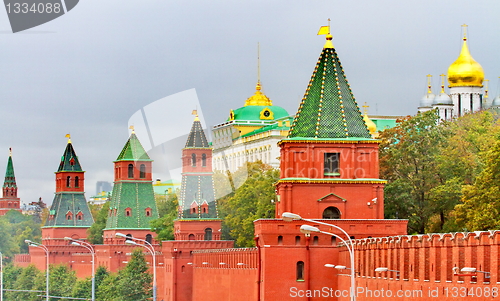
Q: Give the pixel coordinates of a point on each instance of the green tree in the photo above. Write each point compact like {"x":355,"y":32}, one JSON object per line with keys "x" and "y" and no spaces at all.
{"x":134,"y":281}
{"x":29,"y":279}
{"x":251,"y":201}
{"x":480,"y":207}
{"x":95,"y":232}
{"x":61,"y":281}
{"x":108,"y":289}
{"x":82,"y":288}
{"x":164,"y":226}
{"x":408,"y":161}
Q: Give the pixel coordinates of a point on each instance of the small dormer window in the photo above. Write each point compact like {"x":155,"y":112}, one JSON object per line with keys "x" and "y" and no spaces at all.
{"x":148,"y":211}
{"x":69,"y":216}
{"x":128,"y":211}
{"x":72,"y":161}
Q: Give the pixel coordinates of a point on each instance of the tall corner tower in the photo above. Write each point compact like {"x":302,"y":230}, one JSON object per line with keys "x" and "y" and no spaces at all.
{"x":9,"y":200}
{"x":69,"y":215}
{"x":133,"y":204}
{"x":329,"y":162}
{"x":198,"y":217}
{"x":465,"y":79}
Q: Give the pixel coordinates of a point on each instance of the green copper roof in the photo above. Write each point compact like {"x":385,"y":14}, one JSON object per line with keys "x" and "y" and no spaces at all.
{"x":10,"y":178}
{"x":69,"y":210}
{"x":133,"y":150}
{"x":328,"y":109}
{"x":132,"y":206}
{"x":197,"y":136}
{"x":69,"y":160}
{"x":257,"y":113}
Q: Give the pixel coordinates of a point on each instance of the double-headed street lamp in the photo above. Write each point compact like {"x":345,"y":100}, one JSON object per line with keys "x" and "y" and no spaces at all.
{"x":37,"y":245}
{"x":89,"y":247}
{"x":288,"y":217}
{"x":150,"y":248}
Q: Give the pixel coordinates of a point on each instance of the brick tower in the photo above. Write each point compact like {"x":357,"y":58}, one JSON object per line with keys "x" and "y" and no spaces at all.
{"x":198,"y":216}
{"x":133,"y":204}
{"x":69,"y":215}
{"x":329,"y":172}
{"x":9,"y":200}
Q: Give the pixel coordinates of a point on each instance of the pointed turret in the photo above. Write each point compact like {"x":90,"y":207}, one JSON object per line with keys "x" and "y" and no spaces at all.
{"x":133,"y":204}
{"x":198,"y":215}
{"x":9,"y":201}
{"x":328,"y":108}
{"x":69,"y":215}
{"x":329,"y":152}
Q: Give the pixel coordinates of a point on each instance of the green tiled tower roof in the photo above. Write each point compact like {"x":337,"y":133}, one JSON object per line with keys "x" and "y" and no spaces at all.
{"x":133,"y":151}
{"x":10,"y":178}
{"x":328,"y":109}
{"x":197,"y":190}
{"x":197,"y":136}
{"x":69,"y":160}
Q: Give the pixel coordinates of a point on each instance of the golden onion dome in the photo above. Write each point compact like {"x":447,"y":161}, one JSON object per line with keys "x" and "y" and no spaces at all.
{"x":465,"y":71}
{"x":372,"y":127}
{"x":258,"y":99}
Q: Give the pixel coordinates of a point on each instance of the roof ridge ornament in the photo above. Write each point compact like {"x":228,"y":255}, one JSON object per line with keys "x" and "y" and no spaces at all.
{"x":325,"y":30}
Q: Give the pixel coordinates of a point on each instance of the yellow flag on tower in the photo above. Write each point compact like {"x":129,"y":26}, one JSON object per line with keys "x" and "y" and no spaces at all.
{"x":324,"y":30}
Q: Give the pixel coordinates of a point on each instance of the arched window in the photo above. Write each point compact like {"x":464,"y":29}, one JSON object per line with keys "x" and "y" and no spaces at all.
{"x":68,"y":181}
{"x":315,"y":240}
{"x":191,"y":237}
{"x":131,"y":171}
{"x":149,"y":238}
{"x":297,"y":240}
{"x":77,"y":182}
{"x":148,"y":211}
{"x":204,"y":160}
{"x":128,"y":211}
{"x":331,"y":213}
{"x":300,"y":271}
{"x":334,"y":240}
{"x":280,"y":240}
{"x":128,"y":237}
{"x":193,"y":160}
{"x":208,"y":234}
{"x":142,"y":171}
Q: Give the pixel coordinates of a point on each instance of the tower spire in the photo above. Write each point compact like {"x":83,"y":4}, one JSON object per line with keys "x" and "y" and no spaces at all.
{"x":325,"y":30}
{"x":258,"y":63}
{"x":429,"y":84}
{"x":464,"y":29}
{"x":442,"y":83}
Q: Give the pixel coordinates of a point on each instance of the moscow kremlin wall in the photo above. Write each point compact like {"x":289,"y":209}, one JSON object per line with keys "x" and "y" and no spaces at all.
{"x":329,"y":173}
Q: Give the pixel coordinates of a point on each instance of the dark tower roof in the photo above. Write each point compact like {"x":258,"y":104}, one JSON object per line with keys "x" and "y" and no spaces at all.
{"x":69,"y":160}
{"x":197,"y":136}
{"x":328,"y":109}
{"x":10,"y":178}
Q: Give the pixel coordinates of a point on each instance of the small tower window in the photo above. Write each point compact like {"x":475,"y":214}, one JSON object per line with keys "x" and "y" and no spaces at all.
{"x":142,"y":171}
{"x":131,"y":171}
{"x":68,"y":181}
{"x":280,"y":240}
{"x":204,"y":160}
{"x":149,"y":238}
{"x":79,"y":216}
{"x":148,"y":211}
{"x":297,"y":240}
{"x":204,"y":208}
{"x":72,"y":161}
{"x":193,"y":160}
{"x":69,"y":216}
{"x":191,"y":237}
{"x":300,"y":271}
{"x":128,"y":211}
{"x":315,"y":240}
{"x":77,"y":182}
{"x":208,"y":234}
{"x":331,"y":164}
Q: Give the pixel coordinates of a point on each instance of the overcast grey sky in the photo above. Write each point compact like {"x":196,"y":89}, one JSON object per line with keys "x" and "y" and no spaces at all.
{"x":90,"y":70}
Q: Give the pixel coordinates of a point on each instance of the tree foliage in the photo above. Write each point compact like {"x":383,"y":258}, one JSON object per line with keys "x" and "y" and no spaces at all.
{"x":164,"y":226}
{"x":95,"y":232}
{"x":134,"y":282}
{"x":251,"y":201}
{"x":16,"y":228}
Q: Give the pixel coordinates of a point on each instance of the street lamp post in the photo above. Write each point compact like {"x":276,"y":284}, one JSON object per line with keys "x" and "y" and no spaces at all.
{"x":89,"y":247}
{"x":1,"y":276}
{"x":37,"y":245}
{"x":307,"y":229}
{"x":150,"y":248}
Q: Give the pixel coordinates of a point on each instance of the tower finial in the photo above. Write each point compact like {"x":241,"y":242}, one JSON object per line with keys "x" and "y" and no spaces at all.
{"x":429,"y":86}
{"x":258,"y":87}
{"x":325,"y":30}
{"x":442,"y":83}
{"x":69,"y":137}
{"x":365,"y":108}
{"x":10,"y":151}
{"x":195,"y":113}
{"x":464,"y":28}
{"x":486,"y":87}
{"x":132,"y":128}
